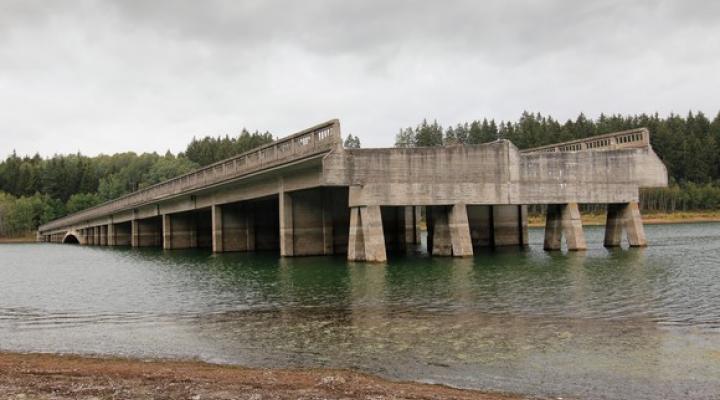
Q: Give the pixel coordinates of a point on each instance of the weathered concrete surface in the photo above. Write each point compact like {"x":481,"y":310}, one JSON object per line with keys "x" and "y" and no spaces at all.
{"x":564,"y":220}
{"x":460,"y":231}
{"x":306,"y":195}
{"x":624,"y":216}
{"x":367,"y":240}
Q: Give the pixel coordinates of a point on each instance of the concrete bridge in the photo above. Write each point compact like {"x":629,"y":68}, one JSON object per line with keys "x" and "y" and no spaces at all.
{"x":307,"y":195}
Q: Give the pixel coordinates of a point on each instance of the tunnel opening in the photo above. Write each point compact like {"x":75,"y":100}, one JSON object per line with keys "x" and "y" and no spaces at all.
{"x":71,"y":239}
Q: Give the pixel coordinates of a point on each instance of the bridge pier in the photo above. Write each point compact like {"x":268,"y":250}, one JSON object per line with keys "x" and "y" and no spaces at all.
{"x":147,"y":232}
{"x":111,"y":238}
{"x":412,"y":221}
{"x":366,"y":241}
{"x":179,"y":231}
{"x":103,"y":235}
{"x":509,"y":225}
{"x":233,"y":227}
{"x":564,"y":220}
{"x":187,"y":230}
{"x":122,"y":233}
{"x":449,"y":231}
{"x":624,"y":216}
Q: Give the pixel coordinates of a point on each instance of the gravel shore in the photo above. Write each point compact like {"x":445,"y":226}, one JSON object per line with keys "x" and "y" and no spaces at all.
{"x":46,"y":376}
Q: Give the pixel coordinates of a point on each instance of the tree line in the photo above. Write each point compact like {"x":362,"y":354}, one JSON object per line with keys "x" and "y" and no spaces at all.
{"x":35,"y":190}
{"x":689,"y":146}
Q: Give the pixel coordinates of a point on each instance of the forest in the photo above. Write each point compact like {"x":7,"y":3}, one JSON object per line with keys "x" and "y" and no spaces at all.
{"x":34,"y":189}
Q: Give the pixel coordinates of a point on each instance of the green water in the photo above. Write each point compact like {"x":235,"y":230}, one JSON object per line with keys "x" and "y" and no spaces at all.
{"x":631,"y":323}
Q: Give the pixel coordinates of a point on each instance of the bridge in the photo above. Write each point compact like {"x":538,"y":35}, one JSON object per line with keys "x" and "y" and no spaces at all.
{"x":307,"y":195}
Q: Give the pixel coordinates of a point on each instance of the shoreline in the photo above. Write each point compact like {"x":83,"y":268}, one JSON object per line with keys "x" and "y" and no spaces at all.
{"x":53,"y":376}
{"x":538,"y":221}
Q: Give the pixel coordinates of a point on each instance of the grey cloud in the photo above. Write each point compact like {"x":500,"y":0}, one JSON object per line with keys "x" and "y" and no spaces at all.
{"x":96,"y":75}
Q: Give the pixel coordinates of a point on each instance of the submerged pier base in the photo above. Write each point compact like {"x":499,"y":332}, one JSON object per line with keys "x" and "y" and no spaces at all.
{"x":564,"y":220}
{"x":624,"y":216}
{"x":366,"y":241}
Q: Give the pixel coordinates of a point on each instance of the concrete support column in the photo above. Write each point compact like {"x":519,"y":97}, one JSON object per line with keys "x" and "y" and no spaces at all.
{"x":327,"y":224}
{"x":166,"y":232}
{"x":460,"y":231}
{"x":179,"y":231}
{"x":135,"y":233}
{"x":286,"y":224}
{"x":103,"y":235}
{"x":234,"y":228}
{"x":625,"y":216}
{"x":441,"y":241}
{"x":417,"y":210}
{"x":564,"y":220}
{"x":366,"y":241}
{"x":509,"y":223}
{"x":411,"y":225}
{"x":217,"y":229}
{"x":111,"y":235}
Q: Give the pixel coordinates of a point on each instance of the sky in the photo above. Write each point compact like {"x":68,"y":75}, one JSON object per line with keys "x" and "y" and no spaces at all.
{"x":109,"y":76}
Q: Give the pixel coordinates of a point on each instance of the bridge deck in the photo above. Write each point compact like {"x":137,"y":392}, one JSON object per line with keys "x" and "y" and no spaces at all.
{"x":306,"y":195}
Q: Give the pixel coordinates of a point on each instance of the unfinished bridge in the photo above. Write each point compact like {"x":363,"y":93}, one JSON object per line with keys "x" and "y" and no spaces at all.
{"x":307,"y":195}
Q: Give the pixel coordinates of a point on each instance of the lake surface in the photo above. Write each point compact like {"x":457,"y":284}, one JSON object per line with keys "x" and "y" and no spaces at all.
{"x":631,"y":323}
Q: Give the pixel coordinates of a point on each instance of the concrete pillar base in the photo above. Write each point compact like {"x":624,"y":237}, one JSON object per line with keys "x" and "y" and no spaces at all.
{"x":564,"y":220}
{"x":286,"y":225}
{"x":441,"y":241}
{"x":509,"y":225}
{"x":179,"y":231}
{"x":366,"y":239}
{"x":460,"y":231}
{"x":111,"y":235}
{"x":103,"y":235}
{"x":217,"y":229}
{"x":135,"y":233}
{"x":624,"y":216}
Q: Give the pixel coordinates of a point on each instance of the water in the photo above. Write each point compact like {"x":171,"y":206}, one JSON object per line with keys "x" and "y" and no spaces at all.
{"x":638,"y":323}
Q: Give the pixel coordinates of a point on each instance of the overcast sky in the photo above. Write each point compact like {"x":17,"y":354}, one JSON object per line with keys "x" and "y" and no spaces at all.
{"x":103,"y":77}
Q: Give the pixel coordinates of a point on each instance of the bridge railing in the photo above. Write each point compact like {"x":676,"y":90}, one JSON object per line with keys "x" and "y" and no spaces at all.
{"x":317,"y":139}
{"x":630,"y":139}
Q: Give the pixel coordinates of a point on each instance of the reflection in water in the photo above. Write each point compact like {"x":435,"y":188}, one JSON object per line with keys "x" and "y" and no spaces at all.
{"x":640,"y":323}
